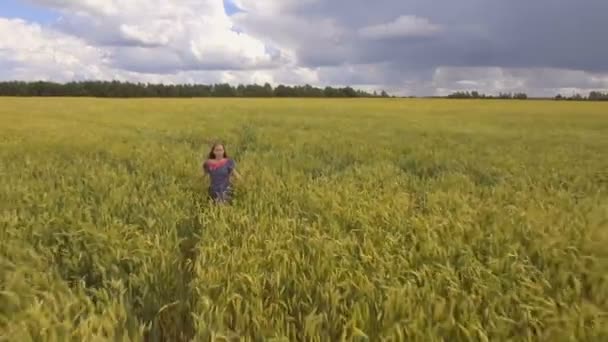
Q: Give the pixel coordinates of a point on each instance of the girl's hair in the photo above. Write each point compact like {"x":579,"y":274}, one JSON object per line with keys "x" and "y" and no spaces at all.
{"x":212,"y":155}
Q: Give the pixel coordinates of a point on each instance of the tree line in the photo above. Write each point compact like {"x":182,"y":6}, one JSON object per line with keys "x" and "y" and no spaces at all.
{"x":593,"y":96}
{"x":128,"y":89}
{"x":477,"y":95}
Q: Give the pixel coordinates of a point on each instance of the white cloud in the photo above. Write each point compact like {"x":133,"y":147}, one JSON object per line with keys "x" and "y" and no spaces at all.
{"x":145,"y":36}
{"x":270,"y":7}
{"x":182,"y":35}
{"x":534,"y":81}
{"x":37,"y":53}
{"x":99,"y":7}
{"x":285,"y":75}
{"x":404,"y":26}
{"x":309,"y":42}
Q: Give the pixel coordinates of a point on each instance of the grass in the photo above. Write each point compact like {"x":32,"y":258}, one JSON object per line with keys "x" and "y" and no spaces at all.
{"x":367,"y":219}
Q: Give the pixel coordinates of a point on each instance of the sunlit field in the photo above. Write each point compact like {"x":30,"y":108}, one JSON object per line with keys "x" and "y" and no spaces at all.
{"x":358,"y":219}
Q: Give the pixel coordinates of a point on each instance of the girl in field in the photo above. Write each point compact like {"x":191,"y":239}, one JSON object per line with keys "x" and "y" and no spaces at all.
{"x":220,"y":168}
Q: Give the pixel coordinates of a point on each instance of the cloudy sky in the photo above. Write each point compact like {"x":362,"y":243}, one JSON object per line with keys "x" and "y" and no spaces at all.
{"x":408,"y":47}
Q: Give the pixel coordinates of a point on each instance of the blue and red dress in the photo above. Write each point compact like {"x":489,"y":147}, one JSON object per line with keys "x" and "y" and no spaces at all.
{"x":220,"y":171}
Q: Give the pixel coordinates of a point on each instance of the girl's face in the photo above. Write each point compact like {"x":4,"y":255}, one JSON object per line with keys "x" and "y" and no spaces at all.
{"x":218,"y":151}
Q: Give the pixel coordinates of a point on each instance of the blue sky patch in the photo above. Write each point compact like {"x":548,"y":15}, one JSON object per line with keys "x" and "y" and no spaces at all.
{"x":22,"y":9}
{"x":231,"y":8}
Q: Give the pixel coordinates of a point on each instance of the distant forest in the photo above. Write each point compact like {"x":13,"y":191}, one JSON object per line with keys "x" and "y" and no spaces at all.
{"x":593,"y":96}
{"x":129,"y":90}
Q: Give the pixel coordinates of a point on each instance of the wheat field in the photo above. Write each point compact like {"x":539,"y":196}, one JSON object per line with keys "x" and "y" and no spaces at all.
{"x":355,"y":220}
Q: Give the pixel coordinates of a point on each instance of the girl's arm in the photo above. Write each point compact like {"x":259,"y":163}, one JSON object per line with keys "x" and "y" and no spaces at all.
{"x":237,"y":175}
{"x":233,"y":170}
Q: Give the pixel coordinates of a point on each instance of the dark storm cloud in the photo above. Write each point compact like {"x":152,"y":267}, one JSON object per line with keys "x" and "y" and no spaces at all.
{"x":542,"y":33}
{"x":558,"y":34}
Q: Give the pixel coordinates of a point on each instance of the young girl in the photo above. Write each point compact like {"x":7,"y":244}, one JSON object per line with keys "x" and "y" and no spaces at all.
{"x":220,"y":168}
